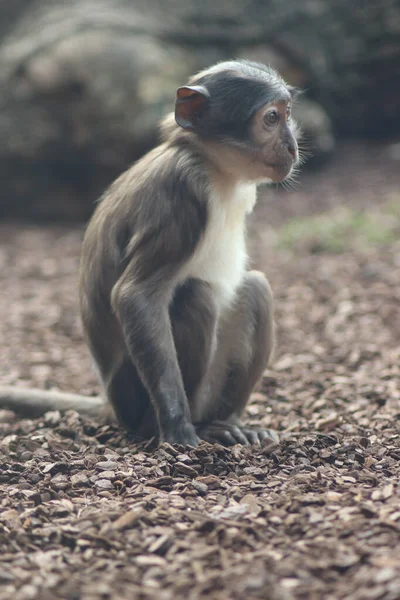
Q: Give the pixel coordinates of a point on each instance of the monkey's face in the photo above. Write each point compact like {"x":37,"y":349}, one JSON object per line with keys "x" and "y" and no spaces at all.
{"x":241,"y":111}
{"x":272,"y":136}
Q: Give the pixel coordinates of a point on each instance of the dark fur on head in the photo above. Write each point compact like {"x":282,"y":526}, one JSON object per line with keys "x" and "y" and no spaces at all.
{"x":244,"y":87}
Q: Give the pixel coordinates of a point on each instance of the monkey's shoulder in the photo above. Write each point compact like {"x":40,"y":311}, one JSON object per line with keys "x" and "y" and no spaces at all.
{"x":166,"y":187}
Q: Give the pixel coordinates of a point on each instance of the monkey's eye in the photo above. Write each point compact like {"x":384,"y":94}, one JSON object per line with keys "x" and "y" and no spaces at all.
{"x":271,"y":118}
{"x":288,"y":113}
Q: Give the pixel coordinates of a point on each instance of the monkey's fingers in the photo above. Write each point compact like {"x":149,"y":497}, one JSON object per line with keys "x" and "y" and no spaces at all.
{"x":185,"y":435}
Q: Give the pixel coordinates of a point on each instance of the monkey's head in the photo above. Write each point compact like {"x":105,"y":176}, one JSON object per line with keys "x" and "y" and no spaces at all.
{"x":245,"y":106}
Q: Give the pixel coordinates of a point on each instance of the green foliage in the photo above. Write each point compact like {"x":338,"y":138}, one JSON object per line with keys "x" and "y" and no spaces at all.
{"x":342,"y":229}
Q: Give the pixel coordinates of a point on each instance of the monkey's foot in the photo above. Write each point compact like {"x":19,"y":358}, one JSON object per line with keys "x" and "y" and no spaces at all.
{"x":229,"y":434}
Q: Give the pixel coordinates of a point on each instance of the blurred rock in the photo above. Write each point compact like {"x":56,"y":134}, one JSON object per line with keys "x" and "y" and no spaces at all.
{"x":74,"y":118}
{"x":317,"y":138}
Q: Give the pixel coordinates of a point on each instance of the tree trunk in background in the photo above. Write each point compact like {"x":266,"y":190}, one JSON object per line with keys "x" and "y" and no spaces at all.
{"x":84,"y":82}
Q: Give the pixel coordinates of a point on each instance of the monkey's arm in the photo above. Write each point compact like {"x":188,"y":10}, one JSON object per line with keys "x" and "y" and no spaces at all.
{"x":33,"y":402}
{"x":144,"y":317}
{"x":156,"y":254}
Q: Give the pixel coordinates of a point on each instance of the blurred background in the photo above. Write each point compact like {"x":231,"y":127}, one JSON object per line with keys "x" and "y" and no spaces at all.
{"x":84,"y":83}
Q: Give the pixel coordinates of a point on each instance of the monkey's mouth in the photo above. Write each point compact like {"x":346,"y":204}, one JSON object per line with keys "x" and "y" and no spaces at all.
{"x":280,"y":170}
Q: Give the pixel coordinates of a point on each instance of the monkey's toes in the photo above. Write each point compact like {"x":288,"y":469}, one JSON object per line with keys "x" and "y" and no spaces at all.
{"x":229,"y":434}
{"x":260,"y":436}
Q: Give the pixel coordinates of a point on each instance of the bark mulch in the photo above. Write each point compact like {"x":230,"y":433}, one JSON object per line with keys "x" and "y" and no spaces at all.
{"x":87,"y":513}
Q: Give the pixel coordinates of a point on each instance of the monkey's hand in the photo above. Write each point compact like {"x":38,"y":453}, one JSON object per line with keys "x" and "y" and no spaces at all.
{"x":185,"y":435}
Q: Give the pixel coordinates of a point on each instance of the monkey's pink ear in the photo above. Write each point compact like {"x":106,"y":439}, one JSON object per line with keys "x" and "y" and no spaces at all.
{"x":190,"y":105}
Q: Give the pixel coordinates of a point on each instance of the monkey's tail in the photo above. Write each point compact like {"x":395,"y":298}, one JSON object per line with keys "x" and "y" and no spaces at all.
{"x":30,"y":402}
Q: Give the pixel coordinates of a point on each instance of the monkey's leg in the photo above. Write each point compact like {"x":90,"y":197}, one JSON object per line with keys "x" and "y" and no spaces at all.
{"x":121,"y":383}
{"x":245,"y":345}
{"x":129,"y":398}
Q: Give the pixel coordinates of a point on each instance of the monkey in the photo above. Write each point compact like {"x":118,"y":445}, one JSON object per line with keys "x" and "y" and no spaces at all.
{"x":179,"y":328}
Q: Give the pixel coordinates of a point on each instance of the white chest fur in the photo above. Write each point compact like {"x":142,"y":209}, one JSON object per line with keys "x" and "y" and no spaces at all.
{"x":221,"y":258}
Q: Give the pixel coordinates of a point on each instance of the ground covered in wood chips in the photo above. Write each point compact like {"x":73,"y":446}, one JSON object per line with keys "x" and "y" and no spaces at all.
{"x":85,"y":513}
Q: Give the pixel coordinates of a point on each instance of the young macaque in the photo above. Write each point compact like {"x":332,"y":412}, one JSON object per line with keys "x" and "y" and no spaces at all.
{"x":179,"y":329}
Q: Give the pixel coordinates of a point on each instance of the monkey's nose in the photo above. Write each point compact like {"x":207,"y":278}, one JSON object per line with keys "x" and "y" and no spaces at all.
{"x":292,"y":149}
